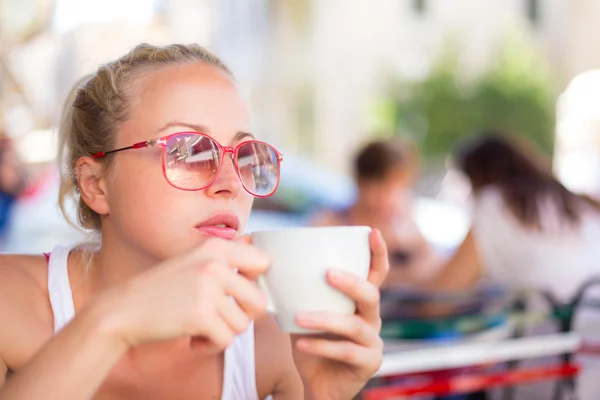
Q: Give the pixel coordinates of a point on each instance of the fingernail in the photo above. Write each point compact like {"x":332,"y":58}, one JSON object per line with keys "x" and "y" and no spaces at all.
{"x":302,"y":343}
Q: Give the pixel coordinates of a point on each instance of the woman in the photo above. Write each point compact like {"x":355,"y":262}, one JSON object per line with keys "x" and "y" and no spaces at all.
{"x":385,"y":171}
{"x":159,"y":159}
{"x":529,"y":233}
{"x":528,"y":230}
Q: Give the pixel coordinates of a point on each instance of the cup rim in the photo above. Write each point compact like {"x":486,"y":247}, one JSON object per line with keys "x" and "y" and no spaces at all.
{"x":312,"y":228}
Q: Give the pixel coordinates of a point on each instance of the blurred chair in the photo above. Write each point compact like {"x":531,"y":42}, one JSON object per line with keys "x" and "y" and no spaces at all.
{"x":562,"y":316}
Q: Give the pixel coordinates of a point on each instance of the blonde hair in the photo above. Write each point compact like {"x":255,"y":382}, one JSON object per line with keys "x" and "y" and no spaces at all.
{"x":99,"y":103}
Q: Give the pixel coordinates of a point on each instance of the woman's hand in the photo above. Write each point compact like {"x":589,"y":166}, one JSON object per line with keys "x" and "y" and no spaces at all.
{"x":338,"y":369}
{"x":198,"y":294}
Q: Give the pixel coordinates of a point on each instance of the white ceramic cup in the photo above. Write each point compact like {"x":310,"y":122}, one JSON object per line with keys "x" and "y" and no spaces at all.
{"x":300,"y":258}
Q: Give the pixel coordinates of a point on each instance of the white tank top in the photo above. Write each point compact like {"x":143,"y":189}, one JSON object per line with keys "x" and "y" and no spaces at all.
{"x":239,"y":378}
{"x":557,"y":258}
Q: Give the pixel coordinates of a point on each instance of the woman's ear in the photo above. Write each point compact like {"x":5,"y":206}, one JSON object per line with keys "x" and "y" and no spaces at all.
{"x":91,"y":182}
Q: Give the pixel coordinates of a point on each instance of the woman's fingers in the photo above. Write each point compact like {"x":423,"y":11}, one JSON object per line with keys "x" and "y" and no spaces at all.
{"x":350,"y":327}
{"x":364,"y":293}
{"x":379,"y":258}
{"x":240,"y":255}
{"x":343,"y":351}
{"x":234,"y":316}
{"x":218,"y":332}
{"x":245,"y":292}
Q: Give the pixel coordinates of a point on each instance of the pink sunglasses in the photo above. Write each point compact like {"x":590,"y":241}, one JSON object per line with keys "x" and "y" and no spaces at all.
{"x":192,"y":161}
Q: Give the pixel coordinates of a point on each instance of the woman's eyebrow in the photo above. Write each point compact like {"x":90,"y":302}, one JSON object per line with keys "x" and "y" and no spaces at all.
{"x":194,"y":127}
{"x":204,"y":129}
{"x":242,"y":135}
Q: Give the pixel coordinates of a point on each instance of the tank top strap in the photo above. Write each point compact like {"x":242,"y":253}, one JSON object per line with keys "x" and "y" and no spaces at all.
{"x":59,"y":287}
{"x":240,"y":371}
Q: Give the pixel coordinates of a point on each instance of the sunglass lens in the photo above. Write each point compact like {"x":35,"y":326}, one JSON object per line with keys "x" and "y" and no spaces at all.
{"x":191,"y":161}
{"x":259,"y":168}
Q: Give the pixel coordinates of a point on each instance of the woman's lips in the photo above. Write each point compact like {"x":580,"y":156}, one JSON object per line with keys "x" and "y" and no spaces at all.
{"x":217,"y":231}
{"x":223,"y":225}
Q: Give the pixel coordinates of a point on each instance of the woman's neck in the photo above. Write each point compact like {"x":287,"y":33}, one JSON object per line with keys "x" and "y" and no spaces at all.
{"x":93,"y":270}
{"x":117,"y":261}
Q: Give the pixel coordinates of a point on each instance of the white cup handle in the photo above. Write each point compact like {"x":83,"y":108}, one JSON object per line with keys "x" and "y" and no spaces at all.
{"x":262,"y":285}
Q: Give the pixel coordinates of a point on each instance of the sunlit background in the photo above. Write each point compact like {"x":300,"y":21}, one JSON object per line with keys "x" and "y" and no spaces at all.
{"x":322,"y":78}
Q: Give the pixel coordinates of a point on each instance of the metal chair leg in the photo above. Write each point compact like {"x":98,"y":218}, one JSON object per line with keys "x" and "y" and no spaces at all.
{"x":519,"y":306}
{"x":508,"y":393}
{"x":558,"y":390}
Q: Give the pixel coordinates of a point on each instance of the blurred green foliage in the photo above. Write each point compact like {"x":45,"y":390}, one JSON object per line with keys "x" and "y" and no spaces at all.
{"x":515,"y":94}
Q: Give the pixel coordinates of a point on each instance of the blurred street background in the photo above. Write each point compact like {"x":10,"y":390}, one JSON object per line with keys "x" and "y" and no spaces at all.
{"x":323,"y":78}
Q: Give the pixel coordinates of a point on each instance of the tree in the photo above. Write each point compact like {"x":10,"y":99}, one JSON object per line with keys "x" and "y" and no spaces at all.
{"x":515,"y":94}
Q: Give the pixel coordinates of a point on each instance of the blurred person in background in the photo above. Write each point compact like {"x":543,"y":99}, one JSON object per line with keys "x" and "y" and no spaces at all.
{"x":385,"y":172}
{"x":528,"y":231}
{"x":12,"y":181}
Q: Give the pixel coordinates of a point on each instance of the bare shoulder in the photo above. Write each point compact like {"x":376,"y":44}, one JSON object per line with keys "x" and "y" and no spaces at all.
{"x":25,"y":314}
{"x":22,"y":277}
{"x":275,"y":369}
{"x":26,"y":269}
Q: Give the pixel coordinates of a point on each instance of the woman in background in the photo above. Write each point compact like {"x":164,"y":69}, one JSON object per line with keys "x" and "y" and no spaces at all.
{"x":528,"y":231}
{"x":385,"y":172}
